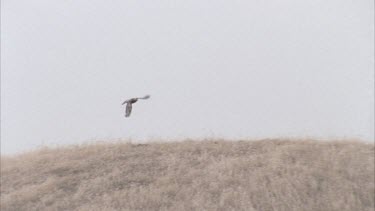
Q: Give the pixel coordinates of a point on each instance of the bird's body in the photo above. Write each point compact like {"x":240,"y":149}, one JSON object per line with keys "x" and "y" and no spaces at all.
{"x":130,"y":102}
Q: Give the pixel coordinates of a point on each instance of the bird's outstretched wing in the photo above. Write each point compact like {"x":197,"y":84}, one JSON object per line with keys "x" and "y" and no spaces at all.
{"x":128,"y":109}
{"x":145,"y":97}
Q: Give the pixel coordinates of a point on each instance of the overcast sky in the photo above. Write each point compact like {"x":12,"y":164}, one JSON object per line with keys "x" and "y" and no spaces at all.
{"x":231,"y":69}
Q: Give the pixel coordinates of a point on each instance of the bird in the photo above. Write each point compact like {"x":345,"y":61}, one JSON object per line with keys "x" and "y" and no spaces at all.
{"x":130,"y":102}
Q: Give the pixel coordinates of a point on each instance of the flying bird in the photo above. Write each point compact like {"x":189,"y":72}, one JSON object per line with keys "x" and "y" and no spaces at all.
{"x":130,"y":102}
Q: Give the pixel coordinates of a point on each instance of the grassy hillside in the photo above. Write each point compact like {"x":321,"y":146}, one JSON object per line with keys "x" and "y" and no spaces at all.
{"x":203,"y":175}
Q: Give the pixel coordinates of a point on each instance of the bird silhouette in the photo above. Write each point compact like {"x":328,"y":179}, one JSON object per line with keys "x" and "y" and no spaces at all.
{"x":129,"y":104}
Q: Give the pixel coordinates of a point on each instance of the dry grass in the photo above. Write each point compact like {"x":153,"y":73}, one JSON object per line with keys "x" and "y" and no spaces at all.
{"x":206,"y":175}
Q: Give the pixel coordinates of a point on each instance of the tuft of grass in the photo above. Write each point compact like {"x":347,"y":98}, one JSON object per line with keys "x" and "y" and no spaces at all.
{"x":293,"y":175}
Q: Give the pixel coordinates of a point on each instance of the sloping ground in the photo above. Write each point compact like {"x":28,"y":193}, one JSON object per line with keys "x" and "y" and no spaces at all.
{"x":206,"y":175}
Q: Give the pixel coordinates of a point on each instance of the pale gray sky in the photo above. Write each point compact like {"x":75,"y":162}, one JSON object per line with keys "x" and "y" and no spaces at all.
{"x":231,"y":69}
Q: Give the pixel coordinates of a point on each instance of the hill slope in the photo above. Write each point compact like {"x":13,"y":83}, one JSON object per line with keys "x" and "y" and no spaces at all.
{"x":206,"y":175}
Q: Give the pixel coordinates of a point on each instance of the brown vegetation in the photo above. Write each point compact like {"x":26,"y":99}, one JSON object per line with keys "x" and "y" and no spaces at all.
{"x":203,"y":175}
